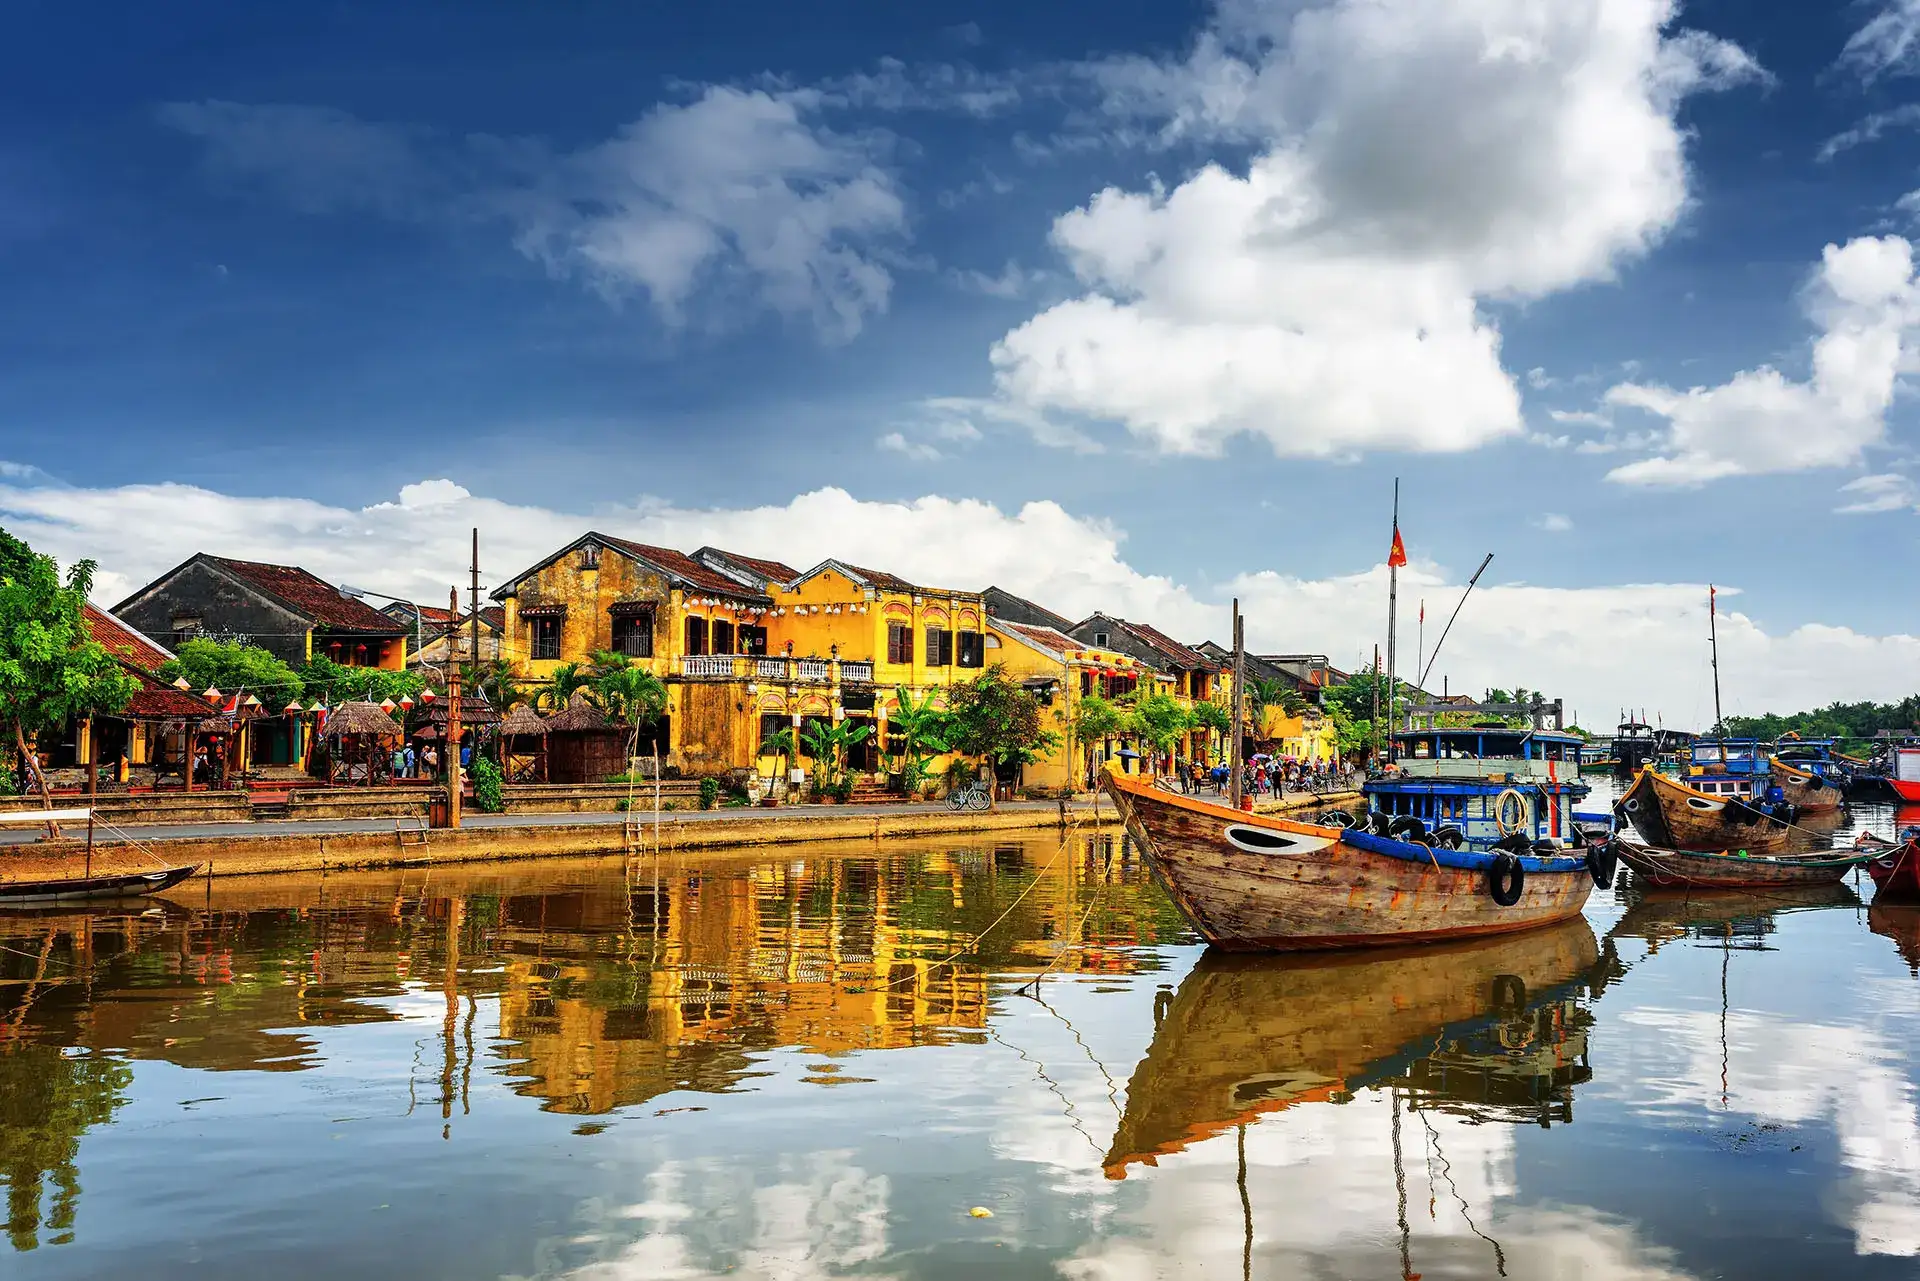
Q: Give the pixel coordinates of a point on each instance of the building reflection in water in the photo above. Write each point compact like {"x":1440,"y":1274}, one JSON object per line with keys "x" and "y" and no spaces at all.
{"x":591,"y":991}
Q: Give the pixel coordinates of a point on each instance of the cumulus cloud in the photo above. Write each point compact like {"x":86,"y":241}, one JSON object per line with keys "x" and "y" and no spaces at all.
{"x":1565,"y":640}
{"x":1552,"y":523}
{"x":1865,"y":301}
{"x":739,"y":197}
{"x":1413,"y":160}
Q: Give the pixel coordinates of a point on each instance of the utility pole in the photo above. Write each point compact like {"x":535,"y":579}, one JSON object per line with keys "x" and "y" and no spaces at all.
{"x":1239,"y":701}
{"x":474,"y":630}
{"x":453,"y":719}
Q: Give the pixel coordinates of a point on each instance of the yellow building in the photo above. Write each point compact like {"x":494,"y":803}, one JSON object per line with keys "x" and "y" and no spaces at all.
{"x":745,"y":646}
{"x":1062,"y":671}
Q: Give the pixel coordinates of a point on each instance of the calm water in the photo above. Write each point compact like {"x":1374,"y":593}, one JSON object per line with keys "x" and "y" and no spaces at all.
{"x":762,"y":1070}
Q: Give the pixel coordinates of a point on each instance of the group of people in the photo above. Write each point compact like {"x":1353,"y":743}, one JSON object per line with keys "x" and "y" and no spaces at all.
{"x":422,"y":764}
{"x":1265,"y":775}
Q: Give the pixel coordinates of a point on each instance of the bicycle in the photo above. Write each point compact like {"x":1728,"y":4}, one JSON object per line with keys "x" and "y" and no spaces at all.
{"x":974,"y":796}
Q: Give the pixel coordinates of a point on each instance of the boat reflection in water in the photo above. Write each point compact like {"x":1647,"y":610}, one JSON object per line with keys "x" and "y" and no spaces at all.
{"x":1492,"y":1030}
{"x":1901,"y":923}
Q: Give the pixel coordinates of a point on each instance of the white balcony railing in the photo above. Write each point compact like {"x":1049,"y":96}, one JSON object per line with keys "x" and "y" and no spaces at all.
{"x":813,"y":669}
{"x":770,"y":669}
{"x":856,"y":671}
{"x":707,"y":665}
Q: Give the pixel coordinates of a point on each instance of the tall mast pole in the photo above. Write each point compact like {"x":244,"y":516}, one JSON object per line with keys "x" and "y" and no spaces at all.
{"x":1375,"y":722}
{"x":1420,"y":661}
{"x":1393,"y":617}
{"x":474,"y":599}
{"x":1239,"y":700}
{"x":1713,"y":641}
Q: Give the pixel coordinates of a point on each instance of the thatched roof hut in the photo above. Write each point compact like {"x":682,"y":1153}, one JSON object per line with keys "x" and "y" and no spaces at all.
{"x":583,"y":746}
{"x":364,"y":719}
{"x":580,"y":717}
{"x":522,"y":722}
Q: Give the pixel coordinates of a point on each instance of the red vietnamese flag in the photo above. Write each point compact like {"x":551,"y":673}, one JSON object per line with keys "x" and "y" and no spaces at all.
{"x":1398,"y":556}
{"x":1712,"y":592}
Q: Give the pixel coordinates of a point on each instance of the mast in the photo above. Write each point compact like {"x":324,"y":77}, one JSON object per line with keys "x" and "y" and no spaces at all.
{"x":1236,"y":765}
{"x":1393,"y":612}
{"x":1713,"y":641}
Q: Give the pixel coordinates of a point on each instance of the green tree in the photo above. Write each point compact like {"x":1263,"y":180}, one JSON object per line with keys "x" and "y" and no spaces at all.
{"x":15,"y":556}
{"x":495,"y":681}
{"x":828,"y":743}
{"x":51,"y":669}
{"x":566,"y":680}
{"x":230,"y":667}
{"x":627,"y":692}
{"x":922,"y":730}
{"x":325,"y":679}
{"x":782,"y":743}
{"x":1212,"y":716}
{"x":1096,"y":720}
{"x":1160,"y":720}
{"x":995,"y":718}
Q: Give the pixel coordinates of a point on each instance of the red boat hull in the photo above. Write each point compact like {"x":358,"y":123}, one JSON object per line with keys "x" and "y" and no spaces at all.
{"x":1896,"y":873}
{"x":1906,"y":791}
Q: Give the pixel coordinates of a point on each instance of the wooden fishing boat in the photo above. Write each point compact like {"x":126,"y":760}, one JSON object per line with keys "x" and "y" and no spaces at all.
{"x":1488,"y":1025}
{"x":1706,"y":870}
{"x":1258,"y":882}
{"x":30,"y":882}
{"x":1894,"y":867}
{"x":1807,"y":791}
{"x":1669,"y":815}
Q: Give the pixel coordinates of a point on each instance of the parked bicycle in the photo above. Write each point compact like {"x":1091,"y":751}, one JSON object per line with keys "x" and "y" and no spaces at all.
{"x":974,"y":796}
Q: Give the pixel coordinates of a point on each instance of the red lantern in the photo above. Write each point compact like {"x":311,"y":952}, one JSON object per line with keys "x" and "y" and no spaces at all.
{"x":427,"y":696}
{"x":406,"y":703}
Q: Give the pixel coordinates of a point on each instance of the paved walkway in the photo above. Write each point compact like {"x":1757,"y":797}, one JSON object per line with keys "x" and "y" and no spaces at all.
{"x":240,"y":831}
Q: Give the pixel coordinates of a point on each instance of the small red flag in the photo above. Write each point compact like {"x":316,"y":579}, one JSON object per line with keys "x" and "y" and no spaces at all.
{"x":1423,"y":609}
{"x":1398,"y":556}
{"x":1712,"y":592}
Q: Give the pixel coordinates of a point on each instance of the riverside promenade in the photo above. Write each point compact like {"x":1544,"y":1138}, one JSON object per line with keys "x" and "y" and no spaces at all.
{"x":298,"y":845}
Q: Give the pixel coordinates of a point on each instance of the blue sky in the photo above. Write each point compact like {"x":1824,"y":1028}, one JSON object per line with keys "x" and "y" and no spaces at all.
{"x":679,"y":265}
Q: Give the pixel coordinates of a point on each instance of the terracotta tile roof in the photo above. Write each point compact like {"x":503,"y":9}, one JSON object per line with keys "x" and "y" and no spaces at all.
{"x":157,"y":701}
{"x":1181,"y":655}
{"x":881,"y":579}
{"x":681,"y":566}
{"x":310,"y":596}
{"x":125,"y":644}
{"x":773,"y":570}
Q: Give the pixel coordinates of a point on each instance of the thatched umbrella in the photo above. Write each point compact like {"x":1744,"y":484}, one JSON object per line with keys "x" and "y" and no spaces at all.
{"x":583,"y":746}
{"x":523,"y":722}
{"x":357,"y":730}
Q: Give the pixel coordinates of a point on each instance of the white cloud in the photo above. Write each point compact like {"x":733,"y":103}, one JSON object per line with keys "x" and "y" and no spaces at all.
{"x":1415,"y":158}
{"x":1889,"y":42}
{"x":1870,"y":129}
{"x":1565,"y":640}
{"x":1887,"y":492}
{"x":431,"y":493}
{"x":918,"y":450}
{"x":1011,"y":282}
{"x":1865,"y":301}
{"x":1552,"y":523}
{"x":736,"y":200}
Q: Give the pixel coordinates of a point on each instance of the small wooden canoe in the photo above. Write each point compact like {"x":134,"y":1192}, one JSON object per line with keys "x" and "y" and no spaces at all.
{"x":1258,"y":882}
{"x":1706,"y":870}
{"x":1669,"y":815}
{"x":62,"y":889}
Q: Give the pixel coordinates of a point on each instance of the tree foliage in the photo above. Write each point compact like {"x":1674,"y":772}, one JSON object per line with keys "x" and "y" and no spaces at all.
{"x":627,"y":692}
{"x":51,"y":669}
{"x":1835,"y":720}
{"x":1212,"y":716}
{"x":994,"y":717}
{"x":325,"y":679}
{"x":922,"y":731}
{"x":1160,"y":720}
{"x":230,"y":667}
{"x":566,"y":680}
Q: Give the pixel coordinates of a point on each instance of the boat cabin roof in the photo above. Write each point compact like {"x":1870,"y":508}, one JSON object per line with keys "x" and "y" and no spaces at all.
{"x":1489,"y":744}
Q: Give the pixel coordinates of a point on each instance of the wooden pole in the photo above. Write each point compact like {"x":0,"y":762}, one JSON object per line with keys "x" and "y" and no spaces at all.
{"x":1393,"y":619}
{"x":473,"y":630}
{"x":453,"y":720}
{"x":1239,"y":702}
{"x":1713,"y":639}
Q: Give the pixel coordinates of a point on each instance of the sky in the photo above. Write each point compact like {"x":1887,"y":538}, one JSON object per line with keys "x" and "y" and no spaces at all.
{"x":1136,"y":307}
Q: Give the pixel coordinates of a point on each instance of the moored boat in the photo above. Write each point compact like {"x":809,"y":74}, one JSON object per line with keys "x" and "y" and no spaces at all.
{"x":1708,"y":870}
{"x":32,"y":883}
{"x":1481,"y":785}
{"x":1895,"y":868}
{"x":1258,"y":882}
{"x":1669,"y":815}
{"x":1807,"y":791}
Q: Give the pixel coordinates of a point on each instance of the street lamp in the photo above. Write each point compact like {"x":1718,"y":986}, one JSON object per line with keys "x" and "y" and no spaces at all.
{"x":361,"y":593}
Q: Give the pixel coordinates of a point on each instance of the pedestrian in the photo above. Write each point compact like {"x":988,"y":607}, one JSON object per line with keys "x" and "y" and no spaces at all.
{"x":433,"y":761}
{"x":407,"y":760}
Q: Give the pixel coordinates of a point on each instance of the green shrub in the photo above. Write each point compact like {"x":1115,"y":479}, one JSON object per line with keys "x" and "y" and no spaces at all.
{"x":709,"y":792}
{"x":486,"y":786}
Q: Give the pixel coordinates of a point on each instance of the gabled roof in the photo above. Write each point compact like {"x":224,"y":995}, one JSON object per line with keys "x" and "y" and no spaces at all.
{"x":1053,"y":643}
{"x":878,"y":579}
{"x":680,"y":569}
{"x":308,"y":595}
{"x":130,"y":647}
{"x":758,"y":569}
{"x":1170,"y":650}
{"x":1047,"y":617}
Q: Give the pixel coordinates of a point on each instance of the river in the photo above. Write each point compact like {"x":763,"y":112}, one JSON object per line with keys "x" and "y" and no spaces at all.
{"x":776,"y":1066}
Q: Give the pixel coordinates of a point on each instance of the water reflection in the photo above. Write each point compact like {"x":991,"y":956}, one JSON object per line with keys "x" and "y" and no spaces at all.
{"x":813,"y":1064}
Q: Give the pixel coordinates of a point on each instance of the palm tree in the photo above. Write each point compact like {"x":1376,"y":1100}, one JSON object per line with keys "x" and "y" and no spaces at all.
{"x":495,"y":681}
{"x":626,"y":692}
{"x":923,"y":732}
{"x":567,"y":679}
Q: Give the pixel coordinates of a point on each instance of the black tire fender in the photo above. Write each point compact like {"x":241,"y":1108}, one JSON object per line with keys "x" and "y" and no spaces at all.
{"x":1506,"y":878}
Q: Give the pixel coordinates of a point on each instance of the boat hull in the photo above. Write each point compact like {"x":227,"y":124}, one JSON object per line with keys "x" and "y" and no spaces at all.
{"x":1896,"y":872}
{"x":69,"y":889}
{"x":1905,"y":789}
{"x":1328,"y":888}
{"x":1703,"y":870}
{"x":1807,"y":791}
{"x":1668,"y":815}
